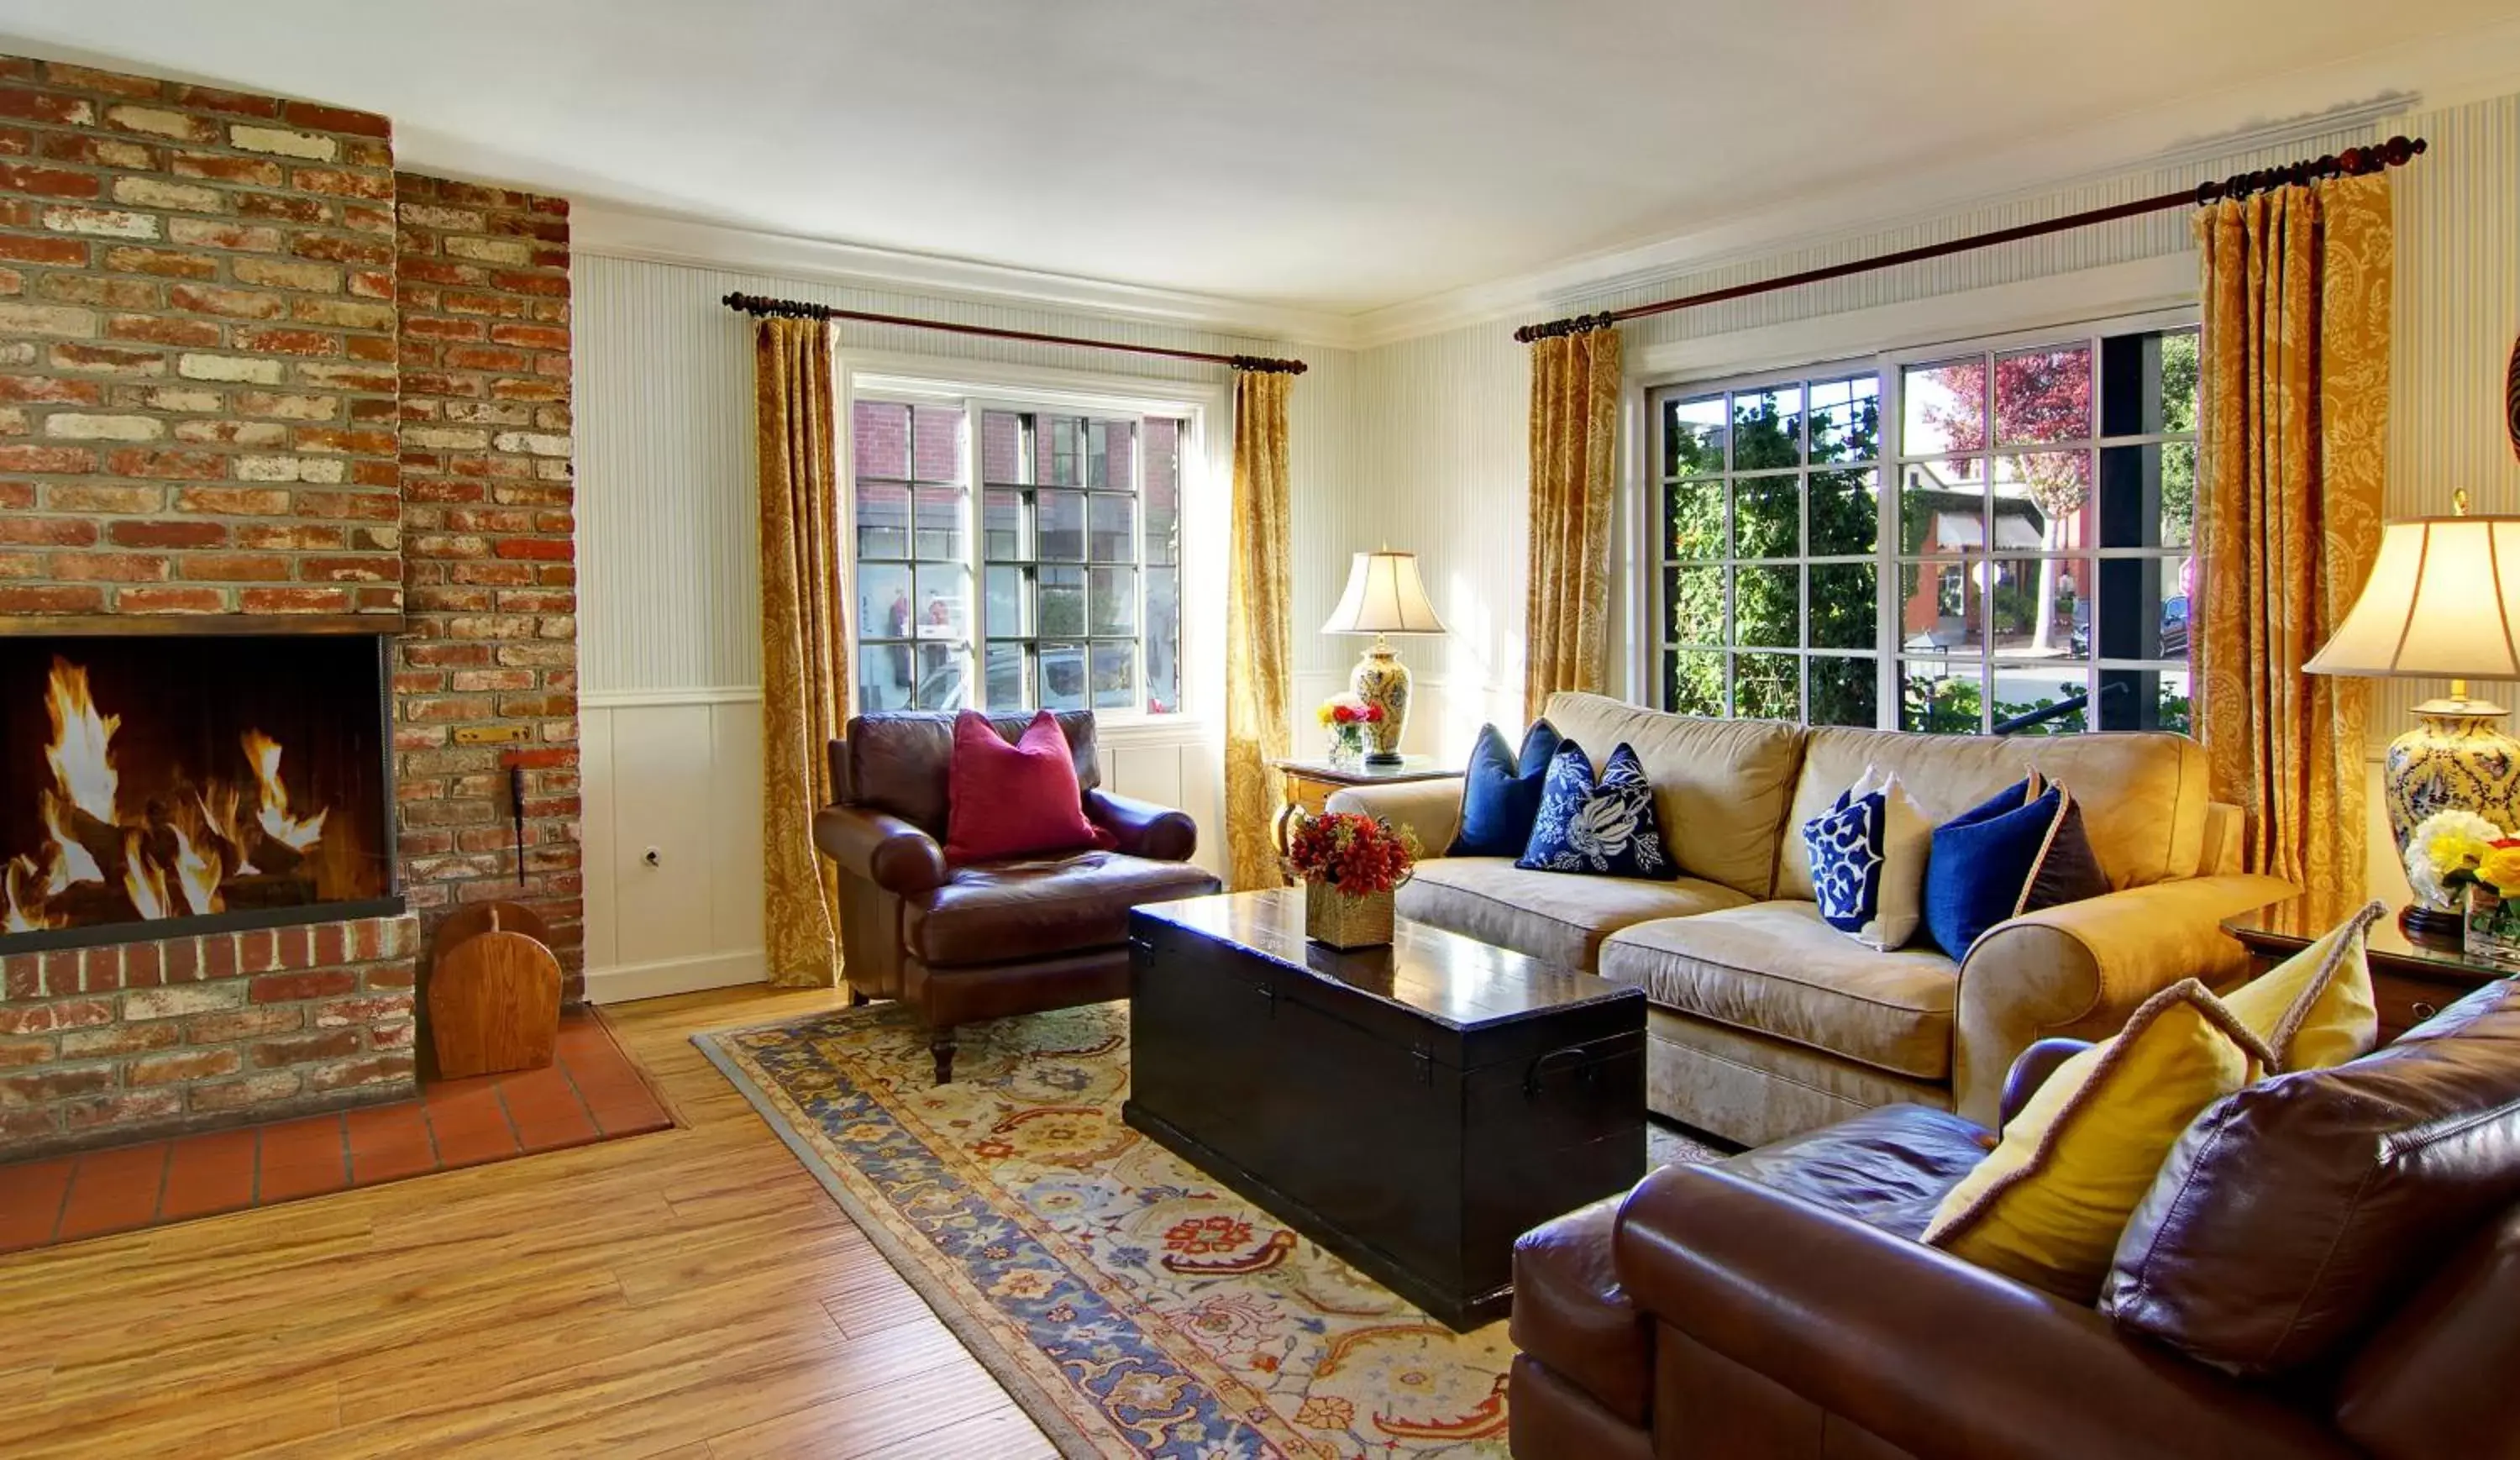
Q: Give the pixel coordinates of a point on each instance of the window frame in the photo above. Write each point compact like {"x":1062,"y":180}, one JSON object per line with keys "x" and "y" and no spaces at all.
{"x":978,"y":386}
{"x":1647,"y":552}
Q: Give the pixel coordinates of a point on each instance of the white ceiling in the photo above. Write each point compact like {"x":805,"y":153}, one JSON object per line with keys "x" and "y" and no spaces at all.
{"x":1336,"y":156}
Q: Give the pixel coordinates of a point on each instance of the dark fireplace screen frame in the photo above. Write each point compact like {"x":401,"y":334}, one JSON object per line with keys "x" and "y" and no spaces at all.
{"x":248,"y":774}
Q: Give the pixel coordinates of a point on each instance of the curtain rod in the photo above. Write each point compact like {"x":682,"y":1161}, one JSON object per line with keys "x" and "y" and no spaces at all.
{"x":757,"y":305}
{"x":2353,"y":161}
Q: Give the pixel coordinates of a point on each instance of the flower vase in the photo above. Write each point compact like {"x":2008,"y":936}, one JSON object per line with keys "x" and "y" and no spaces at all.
{"x":2493,"y":927}
{"x":1347,"y":743}
{"x":1338,"y":920}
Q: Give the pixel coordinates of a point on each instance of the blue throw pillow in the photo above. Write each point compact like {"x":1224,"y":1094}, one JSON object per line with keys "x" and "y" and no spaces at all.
{"x":1607,"y":826}
{"x":1501,"y":793}
{"x":1845,"y":846}
{"x":2016,"y":852}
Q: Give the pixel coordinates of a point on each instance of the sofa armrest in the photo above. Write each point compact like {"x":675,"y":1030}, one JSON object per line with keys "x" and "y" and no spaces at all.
{"x":886,"y":850}
{"x":2031,"y":1070}
{"x":1143,"y":828}
{"x":2080,"y":969}
{"x":1922,"y":1350}
{"x":1430,"y":810}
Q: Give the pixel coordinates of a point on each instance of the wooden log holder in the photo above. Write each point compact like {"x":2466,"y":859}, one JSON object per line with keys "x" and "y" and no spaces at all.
{"x":493,"y":993}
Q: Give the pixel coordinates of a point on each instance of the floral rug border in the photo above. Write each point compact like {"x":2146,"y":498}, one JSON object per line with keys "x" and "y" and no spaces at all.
{"x":966,"y":1316}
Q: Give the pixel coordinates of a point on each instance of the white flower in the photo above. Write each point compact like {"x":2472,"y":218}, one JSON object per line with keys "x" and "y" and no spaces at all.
{"x":2429,"y":854}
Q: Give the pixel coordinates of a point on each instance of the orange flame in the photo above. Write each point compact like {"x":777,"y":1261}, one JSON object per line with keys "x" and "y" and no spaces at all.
{"x":81,"y":750}
{"x":142,"y":879}
{"x":287,"y":829}
{"x":197,"y":877}
{"x":69,"y":861}
{"x":25,"y":895}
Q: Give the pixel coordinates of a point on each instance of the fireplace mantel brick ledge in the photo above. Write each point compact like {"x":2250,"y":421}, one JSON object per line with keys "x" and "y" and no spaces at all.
{"x":140,"y":1040}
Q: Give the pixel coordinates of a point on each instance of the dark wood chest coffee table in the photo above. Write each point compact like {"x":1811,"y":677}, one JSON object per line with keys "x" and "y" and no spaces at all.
{"x":1413,"y":1108}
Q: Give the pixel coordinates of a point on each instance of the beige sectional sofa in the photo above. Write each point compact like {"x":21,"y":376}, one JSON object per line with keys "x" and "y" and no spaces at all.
{"x":1764,"y":1020}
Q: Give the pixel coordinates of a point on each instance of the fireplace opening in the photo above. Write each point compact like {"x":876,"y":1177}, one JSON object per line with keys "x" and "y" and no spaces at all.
{"x":152,"y":786}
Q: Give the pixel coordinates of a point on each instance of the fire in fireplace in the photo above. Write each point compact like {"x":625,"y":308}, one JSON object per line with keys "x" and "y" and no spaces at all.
{"x":165,"y":781}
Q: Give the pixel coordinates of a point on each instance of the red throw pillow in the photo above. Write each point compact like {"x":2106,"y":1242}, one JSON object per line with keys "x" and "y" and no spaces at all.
{"x":1012,"y":801}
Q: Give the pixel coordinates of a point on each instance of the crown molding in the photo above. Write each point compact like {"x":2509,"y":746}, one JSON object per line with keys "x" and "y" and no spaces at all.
{"x":2438,"y":70}
{"x":616,"y":232}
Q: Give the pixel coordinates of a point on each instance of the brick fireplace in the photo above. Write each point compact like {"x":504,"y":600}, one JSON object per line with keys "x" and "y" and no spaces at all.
{"x":284,"y":439}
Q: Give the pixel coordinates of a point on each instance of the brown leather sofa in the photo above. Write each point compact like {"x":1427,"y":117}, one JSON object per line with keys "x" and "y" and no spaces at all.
{"x":1776,"y":1306}
{"x":990,"y":938}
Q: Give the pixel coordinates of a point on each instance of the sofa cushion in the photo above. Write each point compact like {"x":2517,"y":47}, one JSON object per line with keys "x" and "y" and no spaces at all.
{"x":2141,"y":793}
{"x":1552,"y":916}
{"x":1887,"y":1167}
{"x":1013,"y":800}
{"x":1776,"y":969}
{"x":896,"y":761}
{"x":2048,"y":1206}
{"x":1720,"y":786}
{"x":2316,"y":1008}
{"x":1604,"y":825}
{"x":1500,"y":792}
{"x":990,"y":912}
{"x":2290,"y":1214}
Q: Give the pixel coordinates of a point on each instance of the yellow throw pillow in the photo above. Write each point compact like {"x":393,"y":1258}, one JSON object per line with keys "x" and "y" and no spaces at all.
{"x":2048,"y":1204}
{"x":2316,"y":1009}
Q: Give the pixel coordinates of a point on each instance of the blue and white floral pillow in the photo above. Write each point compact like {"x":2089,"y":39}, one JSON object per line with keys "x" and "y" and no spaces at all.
{"x":1868,"y":861}
{"x":1607,"y":827}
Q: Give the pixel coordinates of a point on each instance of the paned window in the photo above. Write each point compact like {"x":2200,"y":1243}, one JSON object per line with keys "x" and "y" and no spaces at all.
{"x":2029,"y":574}
{"x":1011,"y":558}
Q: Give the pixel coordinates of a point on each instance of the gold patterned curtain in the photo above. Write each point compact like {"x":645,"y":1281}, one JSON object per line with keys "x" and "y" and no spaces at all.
{"x":1258,"y":609}
{"x":1575,"y":385}
{"x":2295,"y":396}
{"x":805,"y":644}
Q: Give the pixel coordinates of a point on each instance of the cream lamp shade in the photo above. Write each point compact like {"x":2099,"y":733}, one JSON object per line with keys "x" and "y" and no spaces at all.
{"x":1384,"y":596}
{"x":2443,"y":602}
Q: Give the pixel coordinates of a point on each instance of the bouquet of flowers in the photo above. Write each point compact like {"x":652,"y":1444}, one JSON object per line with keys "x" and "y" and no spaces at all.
{"x":1347,"y":709}
{"x":1345,"y":716}
{"x":1355,"y":854}
{"x":2450,"y":850}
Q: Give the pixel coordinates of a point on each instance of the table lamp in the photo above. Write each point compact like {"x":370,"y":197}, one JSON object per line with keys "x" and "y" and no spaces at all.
{"x":2443,"y":602}
{"x":1384,"y":597}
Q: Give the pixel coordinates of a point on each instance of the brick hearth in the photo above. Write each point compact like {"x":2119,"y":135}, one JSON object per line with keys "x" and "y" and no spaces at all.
{"x":248,"y":369}
{"x":190,"y":1032}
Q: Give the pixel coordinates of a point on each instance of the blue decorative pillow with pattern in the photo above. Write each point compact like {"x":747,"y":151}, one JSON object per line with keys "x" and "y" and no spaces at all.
{"x":1867,"y":861}
{"x":1845,"y":847}
{"x":1605,"y":826}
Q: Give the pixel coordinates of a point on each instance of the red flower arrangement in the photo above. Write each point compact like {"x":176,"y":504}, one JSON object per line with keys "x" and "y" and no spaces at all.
{"x":1359,"y":855}
{"x":1348,"y":709}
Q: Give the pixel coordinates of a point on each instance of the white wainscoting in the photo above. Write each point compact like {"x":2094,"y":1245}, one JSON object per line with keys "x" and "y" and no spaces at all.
{"x":679,"y":772}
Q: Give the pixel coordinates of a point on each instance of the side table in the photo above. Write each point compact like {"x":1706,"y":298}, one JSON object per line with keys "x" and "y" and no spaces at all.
{"x":2410,"y":981}
{"x":1309,"y":784}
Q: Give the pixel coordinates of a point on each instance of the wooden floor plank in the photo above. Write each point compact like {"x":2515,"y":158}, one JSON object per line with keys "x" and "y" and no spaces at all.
{"x":691,"y":1295}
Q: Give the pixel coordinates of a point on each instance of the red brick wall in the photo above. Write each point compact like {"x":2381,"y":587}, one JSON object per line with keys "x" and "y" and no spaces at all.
{"x":197,"y":346}
{"x":246,"y":367}
{"x":490,"y":557}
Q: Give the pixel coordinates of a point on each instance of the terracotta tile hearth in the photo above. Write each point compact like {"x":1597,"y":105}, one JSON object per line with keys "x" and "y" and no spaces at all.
{"x":593,"y":1092}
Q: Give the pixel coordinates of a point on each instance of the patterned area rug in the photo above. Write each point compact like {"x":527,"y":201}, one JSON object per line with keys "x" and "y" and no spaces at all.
{"x":1133,"y":1306}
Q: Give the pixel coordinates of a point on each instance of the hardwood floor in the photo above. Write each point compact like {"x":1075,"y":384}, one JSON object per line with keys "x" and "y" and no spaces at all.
{"x":692,"y":1294}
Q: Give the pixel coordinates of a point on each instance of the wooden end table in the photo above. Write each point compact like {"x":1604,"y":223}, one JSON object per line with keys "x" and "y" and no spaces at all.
{"x":1309,"y":783}
{"x":2410,"y":981}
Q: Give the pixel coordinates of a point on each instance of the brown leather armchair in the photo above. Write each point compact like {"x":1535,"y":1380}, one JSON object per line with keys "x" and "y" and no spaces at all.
{"x":990,"y":938}
{"x":1779,"y":1305}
